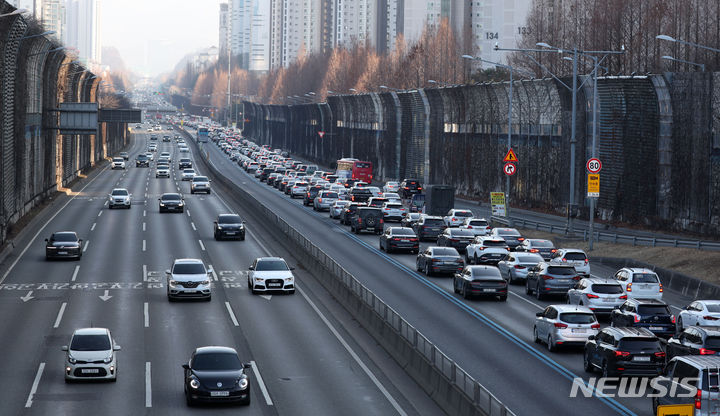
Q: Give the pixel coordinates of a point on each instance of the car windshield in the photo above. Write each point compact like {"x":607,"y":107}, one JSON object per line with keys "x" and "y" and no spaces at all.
{"x":118,"y":159}
{"x":443,"y":251}
{"x":607,"y":288}
{"x":461,"y":233}
{"x":713,"y":307}
{"x":577,"y":318}
{"x":330,"y":195}
{"x":229,"y":219}
{"x":172,"y":197}
{"x":561,"y":271}
{"x":494,"y":243}
{"x":463,"y":214}
{"x":712,"y":343}
{"x":478,"y":223}
{"x":639,"y":344}
{"x":403,"y":232}
{"x":542,"y":243}
{"x":394,"y":206}
{"x":200,"y":179}
{"x":653,"y":310}
{"x":433,"y":222}
{"x":64,"y":237}
{"x":645,"y":278}
{"x":575,"y":256}
{"x":188,"y":268}
{"x":529,"y":259}
{"x":216,"y":362}
{"x":119,"y":192}
{"x":271,"y":266}
{"x":508,"y":232}
{"x":90,"y":343}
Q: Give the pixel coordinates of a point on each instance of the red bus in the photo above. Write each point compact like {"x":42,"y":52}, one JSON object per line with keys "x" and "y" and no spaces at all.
{"x":354,"y":169}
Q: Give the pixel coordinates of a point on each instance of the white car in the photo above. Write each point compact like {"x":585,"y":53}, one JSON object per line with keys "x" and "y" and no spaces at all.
{"x":271,"y":273}
{"x":337,"y":208}
{"x":167,"y":155}
{"x":638,"y":283}
{"x":375,"y":191}
{"x":573,"y":257}
{"x":455,"y":217}
{"x":188,"y":174}
{"x":188,"y":278}
{"x":162,"y":171}
{"x":183,"y":149}
{"x":477,"y":226}
{"x":119,"y":197}
{"x":391,"y":186}
{"x":700,"y":313}
{"x":118,"y":163}
{"x":486,"y":250}
{"x":91,"y":355}
{"x":392,"y":197}
{"x":200,"y":184}
{"x":393,"y":211}
{"x":298,"y":190}
{"x":150,"y":155}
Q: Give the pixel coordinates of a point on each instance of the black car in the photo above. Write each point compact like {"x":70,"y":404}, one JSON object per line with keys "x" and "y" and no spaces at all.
{"x":480,"y":281}
{"x":142,"y":160}
{"x":348,"y":212}
{"x":429,"y":227}
{"x":229,"y":226}
{"x":457,"y":238}
{"x":311,"y":194}
{"x":63,"y":244}
{"x":216,"y":374}
{"x":645,"y":313}
{"x":171,"y":202}
{"x":265,"y":173}
{"x":166,"y":138}
{"x":185,"y":163}
{"x":367,"y":219}
{"x":360,"y":194}
{"x":439,"y":260}
{"x":694,"y":340}
{"x":410,"y":187}
{"x":624,"y":352}
{"x":399,"y":238}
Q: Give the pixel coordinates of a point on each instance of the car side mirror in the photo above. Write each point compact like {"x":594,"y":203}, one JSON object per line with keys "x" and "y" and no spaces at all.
{"x":247,"y":365}
{"x":117,"y":348}
{"x":167,"y":271}
{"x":185,"y":366}
{"x":292,"y":268}
{"x":591,"y":337}
{"x":46,"y":240}
{"x":539,"y":314}
{"x":251,"y":267}
{"x":64,"y":348}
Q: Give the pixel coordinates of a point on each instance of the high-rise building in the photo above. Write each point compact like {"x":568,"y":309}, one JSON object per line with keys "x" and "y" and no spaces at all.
{"x":240,"y":29}
{"x":276,"y":33}
{"x":223,"y":32}
{"x":260,"y":37}
{"x":498,"y":21}
{"x":82,"y":29}
{"x":356,"y":22}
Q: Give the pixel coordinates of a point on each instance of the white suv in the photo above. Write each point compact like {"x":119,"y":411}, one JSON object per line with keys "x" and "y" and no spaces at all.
{"x":640,"y":283}
{"x":188,"y":278}
{"x":91,"y":355}
{"x":573,"y":257}
{"x":200,"y":184}
{"x":119,"y":197}
{"x":118,"y":163}
{"x":271,"y":273}
{"x":486,"y":250}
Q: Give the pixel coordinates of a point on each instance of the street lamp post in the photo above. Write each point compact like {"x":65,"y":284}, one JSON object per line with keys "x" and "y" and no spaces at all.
{"x":670,"y":58}
{"x":684,"y":42}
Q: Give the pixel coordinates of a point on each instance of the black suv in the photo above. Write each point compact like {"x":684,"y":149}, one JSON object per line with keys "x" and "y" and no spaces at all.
{"x":185,"y":163}
{"x":359,"y":194}
{"x":410,"y":187}
{"x":142,"y":160}
{"x":645,"y":313}
{"x":229,"y":226}
{"x":429,"y":227}
{"x":694,"y":340}
{"x":624,"y":351}
{"x":367,"y":218}
{"x":311,"y":194}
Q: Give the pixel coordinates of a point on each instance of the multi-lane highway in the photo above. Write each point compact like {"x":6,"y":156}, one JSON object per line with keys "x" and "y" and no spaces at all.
{"x":491,"y":340}
{"x":308,"y":356}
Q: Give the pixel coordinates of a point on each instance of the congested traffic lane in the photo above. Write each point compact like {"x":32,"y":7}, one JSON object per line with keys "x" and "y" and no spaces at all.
{"x":305,"y":367}
{"x":493,"y":352}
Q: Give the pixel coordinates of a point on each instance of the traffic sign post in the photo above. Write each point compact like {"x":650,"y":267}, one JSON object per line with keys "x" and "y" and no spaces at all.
{"x":510,"y":156}
{"x":509,"y":169}
{"x":593,"y":185}
{"x":593,"y":165}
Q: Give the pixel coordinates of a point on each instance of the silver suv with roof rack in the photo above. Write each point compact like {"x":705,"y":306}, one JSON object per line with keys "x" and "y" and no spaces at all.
{"x":600,"y":295}
{"x":695,"y":377}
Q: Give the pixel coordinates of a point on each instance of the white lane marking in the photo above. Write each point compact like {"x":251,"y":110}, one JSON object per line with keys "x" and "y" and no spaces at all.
{"x":528,"y":301}
{"x":146,"y":313}
{"x":352,"y":353}
{"x":232,"y":314}
{"x":202,"y":246}
{"x":75,"y":273}
{"x":35,"y":385}
{"x":87,"y":243}
{"x":106,"y":203}
{"x":260,"y":381}
{"x":93,"y":226}
{"x":7,"y":272}
{"x":148,"y":385}
{"x":100,"y":213}
{"x":60,"y":315}
{"x":144,"y":213}
{"x":143,"y":226}
{"x":144,"y":246}
{"x":146,"y":195}
{"x":193,"y":226}
{"x":187,"y":211}
{"x":214,"y":275}
{"x":144,"y":272}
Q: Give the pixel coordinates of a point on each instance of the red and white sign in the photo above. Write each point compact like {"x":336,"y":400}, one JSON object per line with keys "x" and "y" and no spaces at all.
{"x":509,"y":169}
{"x":321,"y":134}
{"x":593,"y":165}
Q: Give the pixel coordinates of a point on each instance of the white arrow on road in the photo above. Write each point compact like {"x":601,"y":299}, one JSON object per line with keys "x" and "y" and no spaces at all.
{"x":267,"y":297}
{"x":27,"y":297}
{"x":105,"y":297}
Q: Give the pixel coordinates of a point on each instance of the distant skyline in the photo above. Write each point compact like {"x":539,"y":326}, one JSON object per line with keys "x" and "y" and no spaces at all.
{"x":152,"y":36}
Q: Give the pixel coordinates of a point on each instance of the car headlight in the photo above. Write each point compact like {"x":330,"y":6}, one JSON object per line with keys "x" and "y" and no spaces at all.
{"x":288,"y":279}
{"x":243,"y":383}
{"x":71,"y":360}
{"x":220,"y":227}
{"x":180,"y":204}
{"x":194,"y":383}
{"x":108,"y":360}
{"x":259,"y":279}
{"x":162,"y":205}
{"x":205,"y":282}
{"x":173,"y":283}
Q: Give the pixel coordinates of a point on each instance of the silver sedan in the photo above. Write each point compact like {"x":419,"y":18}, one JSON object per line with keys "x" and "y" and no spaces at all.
{"x":515,"y":267}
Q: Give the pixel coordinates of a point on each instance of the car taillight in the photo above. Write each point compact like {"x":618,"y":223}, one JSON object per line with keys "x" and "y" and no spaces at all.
{"x":552,"y":251}
{"x":534,"y":250}
{"x":595,"y":326}
{"x":623,"y":297}
{"x":453,"y":239}
{"x":419,"y":188}
{"x":517,"y":266}
{"x":591,"y":296}
{"x":661,"y":289}
{"x":636,"y":318}
{"x":396,"y":239}
{"x":576,"y":278}
{"x":564,"y":259}
{"x":710,"y":318}
{"x":586,"y":261}
{"x":705,"y":351}
{"x":382,"y":221}
{"x":469,"y":227}
{"x":560,"y":325}
{"x":629,"y":287}
{"x":672,"y":318}
{"x":521,"y":239}
{"x":698,"y":399}
{"x":386,"y":209}
{"x":359,"y":220}
{"x":546,"y":277}
{"x":622,"y":354}
{"x":413,"y":239}
{"x":659,"y":354}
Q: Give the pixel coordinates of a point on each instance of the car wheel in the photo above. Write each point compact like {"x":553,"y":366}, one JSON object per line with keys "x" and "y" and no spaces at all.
{"x":455,"y":288}
{"x":538,"y":293}
{"x":380,"y":246}
{"x":465,"y":292}
{"x":417,"y":266}
{"x":528,"y":291}
{"x":536,"y":339}
{"x":170,"y":298}
{"x":587,"y":366}
{"x":605,"y":369}
{"x":551,"y":344}
{"x":679,"y":325}
{"x":427,"y":270}
{"x":208,"y":192}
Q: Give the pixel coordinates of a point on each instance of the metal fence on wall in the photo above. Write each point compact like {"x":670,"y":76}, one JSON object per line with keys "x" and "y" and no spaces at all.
{"x":655,"y":139}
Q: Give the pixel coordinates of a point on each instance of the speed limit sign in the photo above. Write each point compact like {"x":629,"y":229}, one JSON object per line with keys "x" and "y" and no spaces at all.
{"x":593,"y":165}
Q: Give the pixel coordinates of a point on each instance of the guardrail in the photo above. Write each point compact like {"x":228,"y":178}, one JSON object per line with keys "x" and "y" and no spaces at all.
{"x":610,"y":237}
{"x":451,"y":387}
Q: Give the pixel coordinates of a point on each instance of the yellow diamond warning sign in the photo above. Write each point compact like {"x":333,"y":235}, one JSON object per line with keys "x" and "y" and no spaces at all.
{"x":510,"y":156}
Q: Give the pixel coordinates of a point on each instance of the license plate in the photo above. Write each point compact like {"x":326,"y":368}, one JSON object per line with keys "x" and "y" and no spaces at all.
{"x":89,"y":371}
{"x":274,"y":285}
{"x":641,"y":358}
{"x":219,"y":393}
{"x":230,"y":233}
{"x":62,"y":252}
{"x":577,"y":331}
{"x":608,"y":300}
{"x":656,"y":328}
{"x":405,"y":241}
{"x":488,"y":290}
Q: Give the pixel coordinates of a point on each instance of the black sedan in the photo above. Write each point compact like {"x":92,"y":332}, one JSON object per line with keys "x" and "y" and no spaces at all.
{"x":63,"y":244}
{"x":439,"y":260}
{"x":480,"y":281}
{"x":399,"y":238}
{"x":216,"y":374}
{"x":171,"y":202}
{"x":456,"y":238}
{"x":229,"y":226}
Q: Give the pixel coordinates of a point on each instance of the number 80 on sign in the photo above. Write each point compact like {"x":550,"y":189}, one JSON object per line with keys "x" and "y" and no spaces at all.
{"x":593,"y":165}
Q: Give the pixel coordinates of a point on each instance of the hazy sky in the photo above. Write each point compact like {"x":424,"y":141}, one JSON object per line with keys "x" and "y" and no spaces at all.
{"x":153,"y":35}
